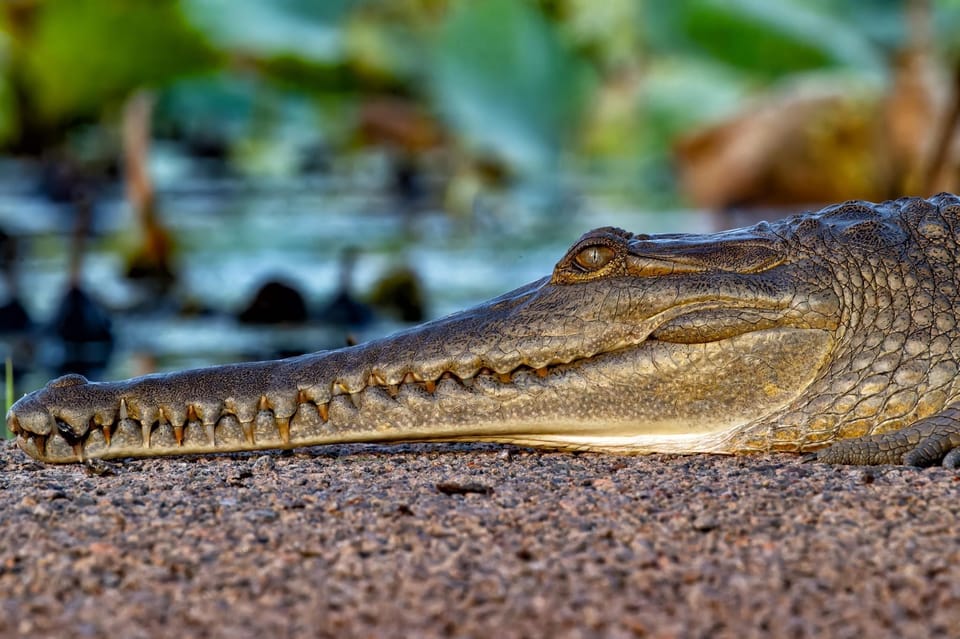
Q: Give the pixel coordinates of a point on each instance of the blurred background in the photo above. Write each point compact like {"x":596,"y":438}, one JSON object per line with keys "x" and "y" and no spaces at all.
{"x":200,"y":181}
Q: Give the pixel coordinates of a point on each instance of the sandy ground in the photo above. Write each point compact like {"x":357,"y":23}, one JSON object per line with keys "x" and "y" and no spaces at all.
{"x":477,"y":541}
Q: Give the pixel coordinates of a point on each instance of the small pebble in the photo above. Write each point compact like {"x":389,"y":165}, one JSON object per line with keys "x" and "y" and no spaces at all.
{"x":705,"y":522}
{"x":456,"y":488}
{"x":264,"y":464}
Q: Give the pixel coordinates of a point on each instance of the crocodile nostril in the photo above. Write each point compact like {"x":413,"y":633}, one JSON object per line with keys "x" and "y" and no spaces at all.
{"x":71,"y":379}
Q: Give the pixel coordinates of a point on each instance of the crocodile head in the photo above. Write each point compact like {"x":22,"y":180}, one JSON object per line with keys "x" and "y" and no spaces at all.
{"x":637,"y":343}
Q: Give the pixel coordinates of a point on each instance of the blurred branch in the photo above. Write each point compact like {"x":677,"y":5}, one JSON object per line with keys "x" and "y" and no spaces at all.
{"x":938,"y":164}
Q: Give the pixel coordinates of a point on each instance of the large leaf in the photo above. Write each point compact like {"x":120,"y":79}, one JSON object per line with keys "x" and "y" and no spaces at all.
{"x":767,"y":38}
{"x":309,"y":29}
{"x":506,"y":81}
{"x":83,"y":53}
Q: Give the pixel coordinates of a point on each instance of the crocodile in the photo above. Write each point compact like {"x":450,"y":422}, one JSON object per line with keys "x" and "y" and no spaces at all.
{"x":831,"y":333}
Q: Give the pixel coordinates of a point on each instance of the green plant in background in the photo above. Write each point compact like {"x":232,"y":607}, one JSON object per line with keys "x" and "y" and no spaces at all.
{"x":504,"y":78}
{"x":85,"y":52}
{"x":524,"y":81}
{"x":71,"y":62}
{"x":765,"y":39}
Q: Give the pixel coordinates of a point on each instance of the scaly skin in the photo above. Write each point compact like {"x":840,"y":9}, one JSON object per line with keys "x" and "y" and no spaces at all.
{"x":837,"y":327}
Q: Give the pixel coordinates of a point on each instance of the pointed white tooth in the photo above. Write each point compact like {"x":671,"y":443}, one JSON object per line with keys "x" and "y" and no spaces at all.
{"x":123,"y":408}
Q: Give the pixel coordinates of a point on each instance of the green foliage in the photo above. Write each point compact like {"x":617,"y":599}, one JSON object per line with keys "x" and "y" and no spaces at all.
{"x":505,"y":79}
{"x":8,"y":110}
{"x":84,"y":53}
{"x":768,"y":39}
{"x":309,"y":29}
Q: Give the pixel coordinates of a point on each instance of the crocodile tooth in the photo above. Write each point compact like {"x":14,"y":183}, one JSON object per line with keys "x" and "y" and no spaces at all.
{"x":283,"y":427}
{"x":145,"y":430}
{"x":264,"y":403}
{"x":504,"y":378}
{"x":376,"y":379}
{"x":355,"y":400}
{"x":107,"y":430}
{"x":123,"y":408}
{"x":339,"y":388}
{"x":430,"y":386}
{"x":324,"y":411}
{"x":178,"y":433}
{"x":192,"y":413}
{"x":409,"y":378}
{"x":543,"y":371}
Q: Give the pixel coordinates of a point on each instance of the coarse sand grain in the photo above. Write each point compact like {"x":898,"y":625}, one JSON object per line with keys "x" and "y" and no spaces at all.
{"x":476,"y":541}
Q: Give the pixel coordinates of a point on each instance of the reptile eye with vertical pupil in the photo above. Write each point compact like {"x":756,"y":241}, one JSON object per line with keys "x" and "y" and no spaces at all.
{"x":594,"y":257}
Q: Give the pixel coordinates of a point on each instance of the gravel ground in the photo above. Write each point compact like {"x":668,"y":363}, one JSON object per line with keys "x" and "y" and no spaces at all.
{"x":477,"y":541}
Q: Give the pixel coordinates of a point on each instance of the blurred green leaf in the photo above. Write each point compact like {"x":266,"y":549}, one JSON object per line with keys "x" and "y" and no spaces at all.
{"x":766,"y":38}
{"x":83,"y":53}
{"x":305,"y":28}
{"x":508,"y":83}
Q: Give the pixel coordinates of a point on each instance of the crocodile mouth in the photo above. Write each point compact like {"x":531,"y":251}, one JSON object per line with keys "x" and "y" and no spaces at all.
{"x":668,"y":385}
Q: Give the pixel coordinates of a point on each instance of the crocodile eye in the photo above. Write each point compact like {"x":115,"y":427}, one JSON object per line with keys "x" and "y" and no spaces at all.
{"x":594,"y":257}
